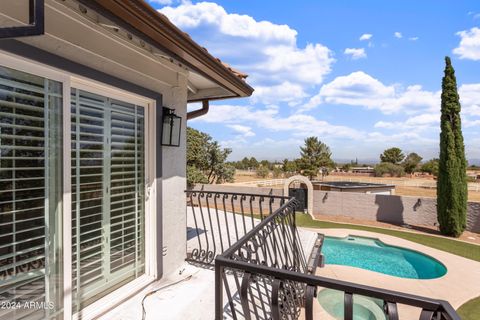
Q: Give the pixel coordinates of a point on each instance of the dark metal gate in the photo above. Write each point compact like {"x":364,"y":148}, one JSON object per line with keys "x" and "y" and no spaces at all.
{"x":301,"y":195}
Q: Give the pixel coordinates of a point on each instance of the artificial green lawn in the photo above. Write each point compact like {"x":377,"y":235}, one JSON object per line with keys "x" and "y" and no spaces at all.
{"x":468,"y":311}
{"x":460,"y":248}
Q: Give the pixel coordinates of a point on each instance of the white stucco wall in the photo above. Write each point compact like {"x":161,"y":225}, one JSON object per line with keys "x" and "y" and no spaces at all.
{"x":173,"y":184}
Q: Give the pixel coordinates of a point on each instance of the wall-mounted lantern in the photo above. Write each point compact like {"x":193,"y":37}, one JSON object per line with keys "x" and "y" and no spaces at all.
{"x":172,"y":124}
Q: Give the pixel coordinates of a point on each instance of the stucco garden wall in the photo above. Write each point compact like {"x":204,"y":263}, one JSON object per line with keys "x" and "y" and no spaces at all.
{"x":386,"y":208}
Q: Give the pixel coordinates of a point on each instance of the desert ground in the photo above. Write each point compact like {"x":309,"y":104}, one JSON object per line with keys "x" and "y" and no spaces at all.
{"x":404,"y":186}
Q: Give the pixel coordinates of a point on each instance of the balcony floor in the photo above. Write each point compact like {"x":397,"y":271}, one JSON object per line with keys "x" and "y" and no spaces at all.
{"x":192,"y":298}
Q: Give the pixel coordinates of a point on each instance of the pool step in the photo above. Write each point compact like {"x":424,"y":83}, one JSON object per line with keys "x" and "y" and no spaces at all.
{"x":316,"y":258}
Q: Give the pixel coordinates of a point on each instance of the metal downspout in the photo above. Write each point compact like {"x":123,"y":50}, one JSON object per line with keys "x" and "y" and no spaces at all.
{"x":200,"y":112}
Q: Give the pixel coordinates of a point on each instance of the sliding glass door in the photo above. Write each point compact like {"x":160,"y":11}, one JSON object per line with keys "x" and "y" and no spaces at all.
{"x":108,"y":200}
{"x":72,"y":193}
{"x":31,"y":285}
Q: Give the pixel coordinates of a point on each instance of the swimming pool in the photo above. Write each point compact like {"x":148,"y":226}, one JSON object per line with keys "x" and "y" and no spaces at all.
{"x":373,"y":254}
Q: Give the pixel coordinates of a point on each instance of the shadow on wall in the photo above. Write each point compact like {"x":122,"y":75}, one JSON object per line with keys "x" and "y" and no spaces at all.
{"x":390,"y":209}
{"x":473,"y":217}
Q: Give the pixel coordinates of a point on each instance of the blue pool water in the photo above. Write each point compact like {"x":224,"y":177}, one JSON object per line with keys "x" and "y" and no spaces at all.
{"x":374,"y":255}
{"x":364,"y":308}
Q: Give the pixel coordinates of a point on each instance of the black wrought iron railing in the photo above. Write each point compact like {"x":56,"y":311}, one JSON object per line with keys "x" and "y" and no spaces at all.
{"x":264,"y":275}
{"x":217,"y":220}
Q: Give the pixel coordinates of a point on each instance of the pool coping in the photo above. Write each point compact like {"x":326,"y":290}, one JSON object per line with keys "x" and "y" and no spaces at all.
{"x":457,"y":286}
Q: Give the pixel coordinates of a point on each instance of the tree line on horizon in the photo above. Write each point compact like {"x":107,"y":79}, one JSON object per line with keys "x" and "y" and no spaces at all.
{"x":392,"y":162}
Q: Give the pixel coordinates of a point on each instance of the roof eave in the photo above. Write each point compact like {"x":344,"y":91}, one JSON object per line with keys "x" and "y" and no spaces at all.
{"x":158,"y":30}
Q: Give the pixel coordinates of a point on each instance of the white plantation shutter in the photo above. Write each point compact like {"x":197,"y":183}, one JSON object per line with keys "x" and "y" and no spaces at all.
{"x":108,"y":176}
{"x":127,"y":182}
{"x":88,"y":152}
{"x":30,"y":107}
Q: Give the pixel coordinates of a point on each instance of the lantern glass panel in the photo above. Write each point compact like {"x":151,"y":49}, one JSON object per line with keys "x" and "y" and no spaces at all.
{"x":176,"y":126}
{"x":166,"y":134}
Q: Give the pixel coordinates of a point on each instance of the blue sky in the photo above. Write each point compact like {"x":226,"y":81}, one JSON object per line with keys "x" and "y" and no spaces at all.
{"x":361,"y":75}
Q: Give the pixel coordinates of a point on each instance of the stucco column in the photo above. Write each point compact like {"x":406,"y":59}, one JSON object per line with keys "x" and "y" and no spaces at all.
{"x":173,"y":185}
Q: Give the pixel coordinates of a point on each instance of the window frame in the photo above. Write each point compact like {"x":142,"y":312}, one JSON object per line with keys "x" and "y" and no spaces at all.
{"x":70,"y":81}
{"x":35,"y":26}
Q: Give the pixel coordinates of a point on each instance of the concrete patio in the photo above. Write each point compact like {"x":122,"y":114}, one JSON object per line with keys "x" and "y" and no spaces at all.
{"x":189,"y":292}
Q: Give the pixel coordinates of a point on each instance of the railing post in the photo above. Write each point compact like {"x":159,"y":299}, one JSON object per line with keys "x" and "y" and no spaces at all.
{"x":244,"y":295}
{"x":310,"y":294}
{"x":392,"y":311}
{"x":218,"y":291}
{"x":348,"y":306}
{"x":294,"y":235}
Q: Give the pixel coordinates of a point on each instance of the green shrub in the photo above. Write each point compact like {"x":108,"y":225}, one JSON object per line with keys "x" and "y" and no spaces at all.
{"x":194,"y":176}
{"x":431,"y":166}
{"x":277,"y":172}
{"x":263,"y":172}
{"x":471,"y":179}
{"x":394,"y":170}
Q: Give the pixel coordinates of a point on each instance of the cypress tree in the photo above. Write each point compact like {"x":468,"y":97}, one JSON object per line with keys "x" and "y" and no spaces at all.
{"x":452,"y":181}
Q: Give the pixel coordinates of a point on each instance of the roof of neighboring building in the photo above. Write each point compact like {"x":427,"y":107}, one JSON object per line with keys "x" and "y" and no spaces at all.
{"x":163,"y":33}
{"x":351,"y":185}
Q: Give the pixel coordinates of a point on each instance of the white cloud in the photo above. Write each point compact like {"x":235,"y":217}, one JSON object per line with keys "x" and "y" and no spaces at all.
{"x":244,"y":131}
{"x":471,"y":123}
{"x":189,"y":15}
{"x":470,"y":99}
{"x":270,"y":148}
{"x":413,"y":38}
{"x":469,"y":47}
{"x":284,"y":92}
{"x":238,"y":38}
{"x":308,"y":65}
{"x":414,"y":99}
{"x":404,"y":140}
{"x":416,"y":123}
{"x":358,"y":88}
{"x":424,"y":119}
{"x":355,"y":53}
{"x":365,"y":36}
{"x":361,"y":89}
{"x":398,"y":35}
{"x":469,"y":95}
{"x":270,"y":119}
{"x":386,"y":124}
{"x":236,"y":114}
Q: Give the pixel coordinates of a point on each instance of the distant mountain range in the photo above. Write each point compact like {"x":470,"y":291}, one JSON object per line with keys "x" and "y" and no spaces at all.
{"x":474,"y":162}
{"x":375,"y":161}
{"x":371,"y":161}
